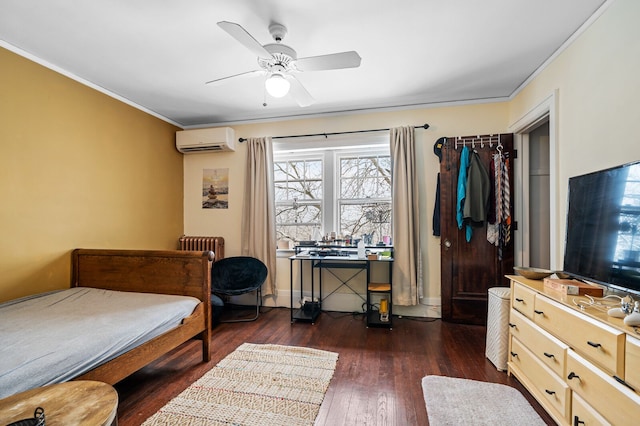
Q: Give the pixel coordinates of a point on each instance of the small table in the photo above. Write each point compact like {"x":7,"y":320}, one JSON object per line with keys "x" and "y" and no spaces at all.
{"x":350,"y":261}
{"x":81,"y":402}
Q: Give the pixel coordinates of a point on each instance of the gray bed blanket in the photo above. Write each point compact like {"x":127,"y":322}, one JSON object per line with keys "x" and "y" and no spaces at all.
{"x":54,"y":337}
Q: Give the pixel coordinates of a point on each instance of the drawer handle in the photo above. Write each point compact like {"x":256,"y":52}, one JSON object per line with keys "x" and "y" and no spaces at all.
{"x":548,"y":355}
{"x":512,"y":325}
{"x":550,"y":392}
{"x":539,"y":312}
{"x":577,"y":421}
{"x":572,"y":376}
{"x":622,"y":382}
{"x":519,"y":300}
{"x":513,"y":354}
{"x":595,"y":345}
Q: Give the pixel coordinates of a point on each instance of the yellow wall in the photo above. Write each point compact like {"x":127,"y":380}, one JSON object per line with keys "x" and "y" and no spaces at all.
{"x":77,"y":169}
{"x":598,"y":86}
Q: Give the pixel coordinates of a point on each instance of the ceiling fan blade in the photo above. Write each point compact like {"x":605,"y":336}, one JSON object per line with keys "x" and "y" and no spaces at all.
{"x":299,"y":93}
{"x":332,"y":61}
{"x":240,"y":34}
{"x":242,"y":74}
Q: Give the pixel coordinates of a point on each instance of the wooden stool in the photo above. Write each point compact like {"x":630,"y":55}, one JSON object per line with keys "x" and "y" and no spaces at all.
{"x":82,"y":402}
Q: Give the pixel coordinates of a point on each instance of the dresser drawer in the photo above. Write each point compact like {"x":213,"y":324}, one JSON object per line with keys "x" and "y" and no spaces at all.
{"x":618,"y":404}
{"x":522,"y":299}
{"x":583,"y":414}
{"x":555,"y":392}
{"x":551,"y":351}
{"x":600,"y":343}
{"x":632,"y":363}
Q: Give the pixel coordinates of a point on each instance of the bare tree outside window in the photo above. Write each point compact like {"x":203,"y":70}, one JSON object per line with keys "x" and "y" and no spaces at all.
{"x":358,"y":187}
{"x":365,"y":197}
{"x":298,"y":196}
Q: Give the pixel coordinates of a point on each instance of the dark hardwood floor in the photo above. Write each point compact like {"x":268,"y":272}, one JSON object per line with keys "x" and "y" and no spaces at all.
{"x":377,"y":380}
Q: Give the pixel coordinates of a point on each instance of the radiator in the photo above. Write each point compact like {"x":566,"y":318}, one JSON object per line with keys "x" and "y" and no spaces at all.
{"x":214,"y":244}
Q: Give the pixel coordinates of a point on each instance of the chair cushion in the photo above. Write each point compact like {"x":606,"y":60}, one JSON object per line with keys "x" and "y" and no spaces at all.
{"x":237,"y":275}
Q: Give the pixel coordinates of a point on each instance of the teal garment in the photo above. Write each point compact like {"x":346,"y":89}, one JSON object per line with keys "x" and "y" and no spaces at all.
{"x":462,"y":192}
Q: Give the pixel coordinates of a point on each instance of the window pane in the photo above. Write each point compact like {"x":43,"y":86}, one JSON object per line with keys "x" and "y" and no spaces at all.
{"x":362,"y":202}
{"x":314,"y":189}
{"x":297,"y":222}
{"x":294,"y":214}
{"x":384,"y":188}
{"x":295,"y":170}
{"x":280,"y":193}
{"x":297,"y":232}
{"x":348,"y":167}
{"x":298,"y":181}
{"x":309,"y":190}
{"x":365,"y":177}
{"x":359,"y":219}
{"x":314,"y":169}
{"x":280,"y":171}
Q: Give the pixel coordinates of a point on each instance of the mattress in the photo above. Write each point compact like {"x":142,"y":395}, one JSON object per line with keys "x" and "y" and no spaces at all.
{"x":54,"y":337}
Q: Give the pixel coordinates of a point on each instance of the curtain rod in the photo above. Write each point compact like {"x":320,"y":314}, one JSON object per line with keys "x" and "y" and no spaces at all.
{"x":326,"y":135}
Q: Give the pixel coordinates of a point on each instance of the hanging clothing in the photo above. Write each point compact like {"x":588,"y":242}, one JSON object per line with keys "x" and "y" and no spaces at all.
{"x":505,"y":189}
{"x":473,"y":192}
{"x":436,"y":209}
{"x":493,"y":226}
{"x":499,"y":233}
{"x":476,"y":204}
{"x":437,"y":150}
{"x":462,"y":190}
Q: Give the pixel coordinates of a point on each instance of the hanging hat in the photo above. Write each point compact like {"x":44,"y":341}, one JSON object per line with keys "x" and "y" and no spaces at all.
{"x":437,"y":147}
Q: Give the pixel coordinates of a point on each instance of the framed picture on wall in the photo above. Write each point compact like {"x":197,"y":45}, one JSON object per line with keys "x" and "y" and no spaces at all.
{"x":215,"y":188}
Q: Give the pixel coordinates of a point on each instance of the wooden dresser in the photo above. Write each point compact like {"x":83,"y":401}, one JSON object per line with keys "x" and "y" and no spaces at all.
{"x":580,"y":364}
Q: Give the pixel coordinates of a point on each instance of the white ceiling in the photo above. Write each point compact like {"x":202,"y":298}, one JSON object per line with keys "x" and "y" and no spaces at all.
{"x":157,"y":54}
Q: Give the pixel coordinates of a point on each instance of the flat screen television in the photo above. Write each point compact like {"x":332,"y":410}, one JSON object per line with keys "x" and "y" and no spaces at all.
{"x":603,"y":227}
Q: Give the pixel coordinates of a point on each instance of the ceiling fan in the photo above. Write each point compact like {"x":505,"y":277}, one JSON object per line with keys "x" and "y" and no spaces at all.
{"x":279,"y":62}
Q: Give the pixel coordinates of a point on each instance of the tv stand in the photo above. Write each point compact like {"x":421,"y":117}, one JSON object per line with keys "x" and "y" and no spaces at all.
{"x":581,"y":365}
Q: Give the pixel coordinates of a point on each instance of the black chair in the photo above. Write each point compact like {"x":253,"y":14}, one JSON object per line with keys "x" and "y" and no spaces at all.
{"x":233,"y":276}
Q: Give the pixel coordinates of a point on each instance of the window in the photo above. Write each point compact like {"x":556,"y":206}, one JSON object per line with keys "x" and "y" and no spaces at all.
{"x":364,"y":200}
{"x":339,"y":189}
{"x":298,"y":197}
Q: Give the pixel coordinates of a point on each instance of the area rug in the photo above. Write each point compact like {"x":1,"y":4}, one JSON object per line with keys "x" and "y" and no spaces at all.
{"x":452,"y":401}
{"x":255,"y":385}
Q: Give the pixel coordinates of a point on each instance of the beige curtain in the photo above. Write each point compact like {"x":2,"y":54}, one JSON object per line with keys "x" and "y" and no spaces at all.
{"x":258,"y":215}
{"x":407,"y":267}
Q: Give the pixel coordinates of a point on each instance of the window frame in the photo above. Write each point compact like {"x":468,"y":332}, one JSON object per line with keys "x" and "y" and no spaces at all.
{"x":338,"y":201}
{"x":304,"y":156}
{"x":331,"y":151}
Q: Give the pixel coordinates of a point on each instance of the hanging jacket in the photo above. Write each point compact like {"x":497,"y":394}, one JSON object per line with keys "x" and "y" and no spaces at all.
{"x":436,"y":209}
{"x":462,"y":186}
{"x":437,"y":150}
{"x":476,"y":204}
{"x":462,"y":192}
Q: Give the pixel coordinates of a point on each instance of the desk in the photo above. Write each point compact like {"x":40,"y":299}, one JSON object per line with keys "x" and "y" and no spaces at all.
{"x":310,"y":311}
{"x":81,"y":402}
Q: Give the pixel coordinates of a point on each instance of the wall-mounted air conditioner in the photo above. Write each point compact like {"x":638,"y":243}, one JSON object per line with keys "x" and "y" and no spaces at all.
{"x":205,"y":140}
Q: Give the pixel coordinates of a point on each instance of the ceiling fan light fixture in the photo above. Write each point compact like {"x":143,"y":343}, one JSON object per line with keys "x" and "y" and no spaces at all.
{"x":277,"y":86}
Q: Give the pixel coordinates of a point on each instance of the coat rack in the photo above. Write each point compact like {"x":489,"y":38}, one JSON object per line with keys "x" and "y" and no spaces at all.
{"x":479,"y":139}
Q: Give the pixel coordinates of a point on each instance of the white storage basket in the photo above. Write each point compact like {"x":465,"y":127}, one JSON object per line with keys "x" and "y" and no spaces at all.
{"x":497,"y":346}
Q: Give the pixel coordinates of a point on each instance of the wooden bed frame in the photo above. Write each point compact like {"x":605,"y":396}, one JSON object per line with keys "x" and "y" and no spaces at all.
{"x":149,"y":271}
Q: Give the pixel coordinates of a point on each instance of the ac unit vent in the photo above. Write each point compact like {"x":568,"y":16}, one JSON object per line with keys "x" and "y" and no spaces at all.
{"x":217,"y":139}
{"x":190,"y":149}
